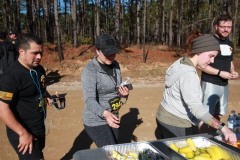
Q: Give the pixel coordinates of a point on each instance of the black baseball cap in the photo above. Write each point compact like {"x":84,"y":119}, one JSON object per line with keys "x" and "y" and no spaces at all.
{"x":107,"y":44}
{"x":12,"y":32}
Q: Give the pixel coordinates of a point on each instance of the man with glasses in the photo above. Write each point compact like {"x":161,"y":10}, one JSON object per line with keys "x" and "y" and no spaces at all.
{"x":214,"y":79}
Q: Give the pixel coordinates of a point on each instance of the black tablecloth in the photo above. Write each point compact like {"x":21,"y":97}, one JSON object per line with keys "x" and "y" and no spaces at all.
{"x":99,"y":154}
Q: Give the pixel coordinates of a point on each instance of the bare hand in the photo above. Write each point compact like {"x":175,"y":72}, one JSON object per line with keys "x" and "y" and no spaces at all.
{"x":123,"y":90}
{"x":112,"y":120}
{"x":234,"y":75}
{"x":50,"y":101}
{"x":225,"y":75}
{"x":229,"y":135}
{"x":25,"y":143}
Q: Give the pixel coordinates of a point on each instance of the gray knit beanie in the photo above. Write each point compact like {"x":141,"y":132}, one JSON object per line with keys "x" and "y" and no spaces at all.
{"x":205,"y":43}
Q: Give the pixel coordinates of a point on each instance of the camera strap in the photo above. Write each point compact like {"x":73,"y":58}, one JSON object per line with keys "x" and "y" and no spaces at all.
{"x":59,"y":103}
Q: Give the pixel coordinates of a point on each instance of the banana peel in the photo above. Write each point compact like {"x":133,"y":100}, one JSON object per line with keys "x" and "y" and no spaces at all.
{"x":174,"y":147}
{"x":185,"y":150}
{"x":116,"y":154}
{"x":213,"y":154}
{"x":224,"y":154}
{"x":217,"y":151}
{"x":205,"y":154}
{"x":191,"y":144}
{"x":133,"y":155}
{"x":190,"y":155}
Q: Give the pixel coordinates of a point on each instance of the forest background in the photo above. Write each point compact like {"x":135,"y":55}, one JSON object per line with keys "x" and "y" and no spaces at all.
{"x":131,"y":22}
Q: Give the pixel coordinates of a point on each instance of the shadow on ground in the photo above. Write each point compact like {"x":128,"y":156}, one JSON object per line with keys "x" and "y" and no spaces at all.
{"x":129,"y":122}
{"x":82,"y":141}
{"x":53,"y":77}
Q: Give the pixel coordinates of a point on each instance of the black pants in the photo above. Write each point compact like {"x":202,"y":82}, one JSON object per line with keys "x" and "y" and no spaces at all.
{"x":168,"y":131}
{"x":102,"y":135}
{"x":38,"y":146}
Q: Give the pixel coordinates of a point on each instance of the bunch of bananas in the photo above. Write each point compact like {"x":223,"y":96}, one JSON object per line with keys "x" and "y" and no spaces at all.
{"x":146,"y":154}
{"x":129,"y":156}
{"x":191,"y":152}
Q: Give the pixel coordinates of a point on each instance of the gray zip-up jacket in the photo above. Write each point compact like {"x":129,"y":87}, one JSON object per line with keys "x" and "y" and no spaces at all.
{"x":98,"y":88}
{"x":182,"y":96}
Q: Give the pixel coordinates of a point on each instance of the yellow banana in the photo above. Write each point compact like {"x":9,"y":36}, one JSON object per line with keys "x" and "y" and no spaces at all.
{"x":202,"y":158}
{"x":116,"y":155}
{"x":185,"y":150}
{"x":213,"y":154}
{"x":217,"y":151}
{"x":174,"y":147}
{"x":203,"y":150}
{"x":205,"y":154}
{"x":189,"y":155}
{"x":133,"y":154}
{"x":224,"y":153}
{"x":197,"y":152}
{"x":191,"y":144}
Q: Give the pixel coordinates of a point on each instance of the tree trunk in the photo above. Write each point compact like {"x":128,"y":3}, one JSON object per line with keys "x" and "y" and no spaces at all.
{"x":30,"y":16}
{"x":38,"y":26}
{"x":144,"y":32}
{"x":157,"y":23}
{"x":65,"y":16}
{"x":122,"y":28}
{"x":17,"y":12}
{"x":57,"y":25}
{"x":33,"y":16}
{"x":4,"y":10}
{"x":48,"y":31}
{"x":74,"y":22}
{"x":138,"y":22}
{"x":235,"y":17}
{"x":170,"y":24}
{"x":180,"y":17}
{"x":163,"y":23}
{"x":97,"y":20}
{"x":117,"y":19}
{"x":107,"y":19}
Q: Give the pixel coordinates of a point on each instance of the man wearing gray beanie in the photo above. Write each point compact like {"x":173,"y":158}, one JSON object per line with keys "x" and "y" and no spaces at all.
{"x":181,"y":108}
{"x":214,"y":79}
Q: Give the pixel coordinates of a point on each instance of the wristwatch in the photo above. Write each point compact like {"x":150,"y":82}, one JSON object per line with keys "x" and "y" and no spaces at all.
{"x":221,"y":125}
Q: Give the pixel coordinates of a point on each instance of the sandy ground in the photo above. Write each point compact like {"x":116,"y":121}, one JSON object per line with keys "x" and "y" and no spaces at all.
{"x":65,"y":133}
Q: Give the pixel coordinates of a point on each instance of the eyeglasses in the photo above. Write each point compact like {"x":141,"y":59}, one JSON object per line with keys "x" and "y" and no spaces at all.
{"x":225,"y":27}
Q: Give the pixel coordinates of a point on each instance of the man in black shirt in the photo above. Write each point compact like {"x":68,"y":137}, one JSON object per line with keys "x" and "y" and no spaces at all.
{"x":12,"y":37}
{"x":8,"y":53}
{"x":215,"y":77}
{"x":23,"y":100}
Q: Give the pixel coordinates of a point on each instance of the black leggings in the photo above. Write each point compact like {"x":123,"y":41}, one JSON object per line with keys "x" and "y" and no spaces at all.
{"x":102,"y":135}
{"x":38,"y":146}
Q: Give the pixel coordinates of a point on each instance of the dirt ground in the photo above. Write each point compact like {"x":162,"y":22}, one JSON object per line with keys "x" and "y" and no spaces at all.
{"x":64,"y":128}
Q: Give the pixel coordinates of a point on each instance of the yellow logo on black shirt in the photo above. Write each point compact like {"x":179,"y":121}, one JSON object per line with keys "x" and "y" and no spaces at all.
{"x":43,"y":81}
{"x":6,"y":95}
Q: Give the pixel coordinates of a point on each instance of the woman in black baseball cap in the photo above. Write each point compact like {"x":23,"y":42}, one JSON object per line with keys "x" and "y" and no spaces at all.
{"x":103,"y":95}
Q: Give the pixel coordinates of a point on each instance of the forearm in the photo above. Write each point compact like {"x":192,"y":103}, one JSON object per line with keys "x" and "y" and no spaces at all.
{"x":94,"y":107}
{"x":210,"y":70}
{"x":232,"y":69}
{"x":9,"y":120}
{"x":213,"y":122}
